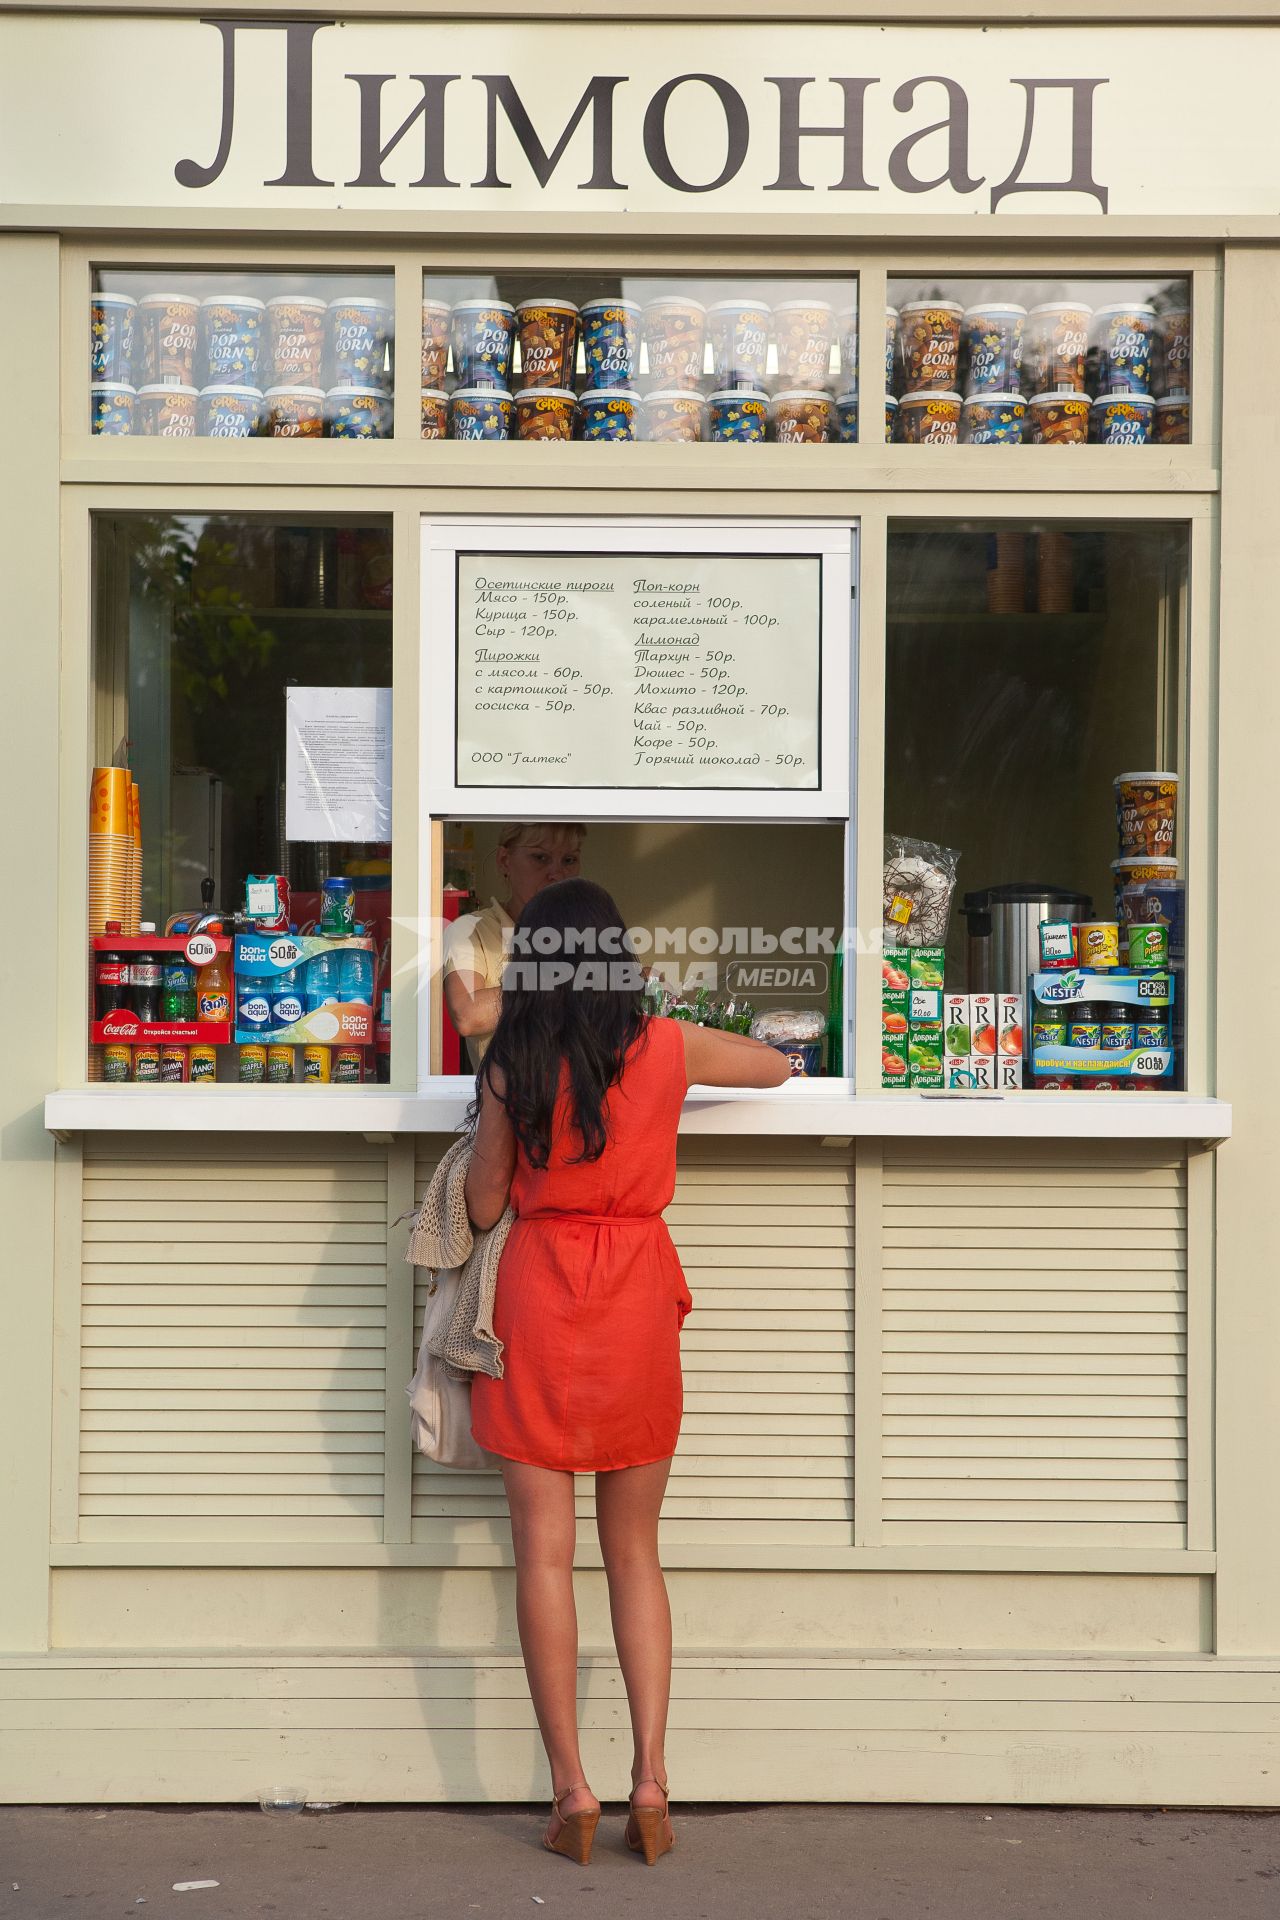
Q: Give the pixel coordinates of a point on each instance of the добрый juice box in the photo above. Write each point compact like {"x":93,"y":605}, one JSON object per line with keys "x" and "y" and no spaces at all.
{"x":926,"y":964}
{"x":924,"y":1055}
{"x":893,"y":1060}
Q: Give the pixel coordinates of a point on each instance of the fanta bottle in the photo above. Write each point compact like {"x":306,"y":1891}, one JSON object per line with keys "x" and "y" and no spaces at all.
{"x":213,"y":994}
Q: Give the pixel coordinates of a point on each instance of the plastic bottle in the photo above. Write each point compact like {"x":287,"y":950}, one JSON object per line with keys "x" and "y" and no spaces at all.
{"x":355,"y":975}
{"x":253,"y":1006}
{"x":213,"y":991}
{"x":286,"y":999}
{"x":178,"y":991}
{"x":321,"y":985}
{"x":110,"y":979}
{"x":146,"y":976}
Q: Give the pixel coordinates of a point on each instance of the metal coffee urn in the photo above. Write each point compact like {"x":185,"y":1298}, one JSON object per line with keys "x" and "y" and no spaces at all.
{"x":1004,"y":931}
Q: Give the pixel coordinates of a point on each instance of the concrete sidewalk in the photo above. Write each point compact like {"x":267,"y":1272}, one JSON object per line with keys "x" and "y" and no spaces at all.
{"x":778,"y":1863}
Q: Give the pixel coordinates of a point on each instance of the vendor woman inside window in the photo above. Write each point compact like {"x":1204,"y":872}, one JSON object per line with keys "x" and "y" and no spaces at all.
{"x":528,"y":859}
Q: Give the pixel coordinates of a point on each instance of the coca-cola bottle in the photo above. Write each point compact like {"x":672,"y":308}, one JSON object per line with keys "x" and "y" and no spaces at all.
{"x":145,"y":978}
{"x":110,"y":979}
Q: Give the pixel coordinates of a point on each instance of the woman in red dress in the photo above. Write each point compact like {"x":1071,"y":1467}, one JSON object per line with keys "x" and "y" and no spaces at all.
{"x":578,"y":1103}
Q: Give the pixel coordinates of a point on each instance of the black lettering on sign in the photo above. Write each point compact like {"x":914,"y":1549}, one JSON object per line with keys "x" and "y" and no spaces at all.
{"x":956,"y":128}
{"x":1080,"y":179}
{"x":430,"y":110}
{"x":298,"y":96}
{"x":597,"y":99}
{"x":851,"y":132}
{"x":737,"y":133}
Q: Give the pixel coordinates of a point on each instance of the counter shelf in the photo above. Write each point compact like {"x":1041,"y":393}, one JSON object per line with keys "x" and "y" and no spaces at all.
{"x":825,"y":1109}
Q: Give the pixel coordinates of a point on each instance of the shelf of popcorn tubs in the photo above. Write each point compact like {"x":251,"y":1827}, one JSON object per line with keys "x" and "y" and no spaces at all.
{"x":672,"y":370}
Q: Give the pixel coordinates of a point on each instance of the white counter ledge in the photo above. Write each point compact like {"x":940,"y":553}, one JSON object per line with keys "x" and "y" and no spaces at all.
{"x":822,"y":1108}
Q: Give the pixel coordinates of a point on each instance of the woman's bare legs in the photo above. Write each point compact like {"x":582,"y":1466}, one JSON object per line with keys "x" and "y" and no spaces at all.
{"x":542,"y":1530}
{"x":628,"y":1502}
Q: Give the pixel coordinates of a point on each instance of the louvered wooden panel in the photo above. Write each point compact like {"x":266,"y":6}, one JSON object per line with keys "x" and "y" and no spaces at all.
{"x":765,"y":1233}
{"x":233,"y":1382}
{"x":1035,"y":1342}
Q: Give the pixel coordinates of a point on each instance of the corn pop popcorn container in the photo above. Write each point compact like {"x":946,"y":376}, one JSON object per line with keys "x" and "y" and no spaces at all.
{"x":435,"y":343}
{"x":1173,"y":351}
{"x":608,"y":413}
{"x":1122,"y":420}
{"x":1056,"y":346}
{"x":739,"y":333}
{"x":610,"y":342}
{"x":357,"y":413}
{"x":167,"y":326}
{"x":483,"y":335}
{"x":434,"y":413}
{"x":294,"y":413}
{"x":358,"y":331}
{"x":992,"y":335}
{"x":1122,"y":347}
{"x":548,"y":331}
{"x":675,"y":332}
{"x":801,"y":416}
{"x":804,"y":331}
{"x":545,"y":413}
{"x":480,"y":413}
{"x":993,"y":420}
{"x":111,"y":406}
{"x":295,"y":323}
{"x":929,"y":419}
{"x":225,"y":411}
{"x":847,"y":418}
{"x":930,"y":333}
{"x":231,"y":327}
{"x":166,"y":413}
{"x":675,"y":415}
{"x":112,"y":323}
{"x":1058,"y":419}
{"x":1173,"y":420}
{"x":738,"y":414}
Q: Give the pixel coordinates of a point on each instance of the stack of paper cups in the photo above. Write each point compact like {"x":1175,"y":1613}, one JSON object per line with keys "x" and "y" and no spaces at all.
{"x":110,"y":847}
{"x":135,"y":852}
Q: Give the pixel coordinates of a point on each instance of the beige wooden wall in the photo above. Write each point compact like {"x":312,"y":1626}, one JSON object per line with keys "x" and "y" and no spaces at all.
{"x":948,"y":1527}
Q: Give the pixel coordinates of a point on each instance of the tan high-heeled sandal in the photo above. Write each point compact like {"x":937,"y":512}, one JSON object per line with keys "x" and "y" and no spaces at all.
{"x":577,"y":1830}
{"x":654,"y":1833}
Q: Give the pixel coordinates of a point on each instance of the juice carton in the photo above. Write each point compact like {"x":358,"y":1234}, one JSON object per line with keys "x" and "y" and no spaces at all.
{"x":1008,"y":1072}
{"x":983,"y":1069}
{"x":893,"y":1059}
{"x":894,"y":1012}
{"x":926,"y":966}
{"x":982,"y":1025}
{"x":924,"y":1055}
{"x":1009,"y":1026}
{"x":955,"y":1040}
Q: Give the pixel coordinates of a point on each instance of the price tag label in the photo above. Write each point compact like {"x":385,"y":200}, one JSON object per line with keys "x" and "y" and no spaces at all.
{"x":201,"y":949}
{"x":284,"y":953}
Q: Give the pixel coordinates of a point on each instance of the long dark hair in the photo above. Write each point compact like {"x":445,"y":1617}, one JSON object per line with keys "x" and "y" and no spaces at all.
{"x":571,"y":991}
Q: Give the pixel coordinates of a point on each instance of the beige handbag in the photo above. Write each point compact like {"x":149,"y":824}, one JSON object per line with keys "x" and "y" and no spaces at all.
{"x":439,"y":1400}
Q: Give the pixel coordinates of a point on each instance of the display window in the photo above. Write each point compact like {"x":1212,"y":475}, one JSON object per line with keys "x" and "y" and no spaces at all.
{"x":670,"y":357}
{"x":240,"y":825}
{"x":229,"y":354}
{"x":1035,"y":876}
{"x":1058,"y":361}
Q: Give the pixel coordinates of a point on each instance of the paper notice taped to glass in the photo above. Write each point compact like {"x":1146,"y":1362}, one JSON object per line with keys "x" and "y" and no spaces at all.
{"x":338,"y":763}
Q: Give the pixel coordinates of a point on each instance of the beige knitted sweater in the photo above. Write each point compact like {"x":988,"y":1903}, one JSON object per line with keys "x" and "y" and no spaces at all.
{"x":443,"y":1238}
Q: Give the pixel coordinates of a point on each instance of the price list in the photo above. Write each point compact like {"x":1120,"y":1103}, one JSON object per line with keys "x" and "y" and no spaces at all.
{"x":638,"y":670}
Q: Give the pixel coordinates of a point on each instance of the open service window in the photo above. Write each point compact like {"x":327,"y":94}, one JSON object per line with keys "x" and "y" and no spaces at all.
{"x":666,"y":709}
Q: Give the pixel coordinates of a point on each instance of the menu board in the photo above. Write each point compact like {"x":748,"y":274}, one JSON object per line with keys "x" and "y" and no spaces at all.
{"x":638,"y":670}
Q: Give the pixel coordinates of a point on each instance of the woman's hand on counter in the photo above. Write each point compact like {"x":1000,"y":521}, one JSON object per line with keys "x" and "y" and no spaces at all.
{"x":716,"y":1059}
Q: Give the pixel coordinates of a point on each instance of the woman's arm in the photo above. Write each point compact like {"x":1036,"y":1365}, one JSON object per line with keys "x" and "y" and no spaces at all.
{"x":493,"y":1161}
{"x":473,"y":1007}
{"x":715,"y":1059}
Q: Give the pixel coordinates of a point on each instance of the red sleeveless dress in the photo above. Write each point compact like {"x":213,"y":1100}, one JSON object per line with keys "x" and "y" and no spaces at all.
{"x":590,"y":1295}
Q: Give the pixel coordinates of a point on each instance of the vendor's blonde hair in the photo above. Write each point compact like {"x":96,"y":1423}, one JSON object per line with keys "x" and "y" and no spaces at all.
{"x":518,"y":832}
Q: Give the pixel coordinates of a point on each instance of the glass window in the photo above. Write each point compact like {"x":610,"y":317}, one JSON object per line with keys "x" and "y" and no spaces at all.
{"x":1033,"y":749}
{"x":242,"y":684}
{"x":232,"y":354}
{"x":620,"y":357}
{"x":1048,"y":362}
{"x":737,"y":923}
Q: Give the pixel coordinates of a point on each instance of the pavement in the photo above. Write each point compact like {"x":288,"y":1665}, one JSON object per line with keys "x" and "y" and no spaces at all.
{"x":773,"y":1862}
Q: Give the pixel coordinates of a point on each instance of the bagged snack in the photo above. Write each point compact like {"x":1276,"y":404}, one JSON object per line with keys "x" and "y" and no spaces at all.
{"x":919,"y":880}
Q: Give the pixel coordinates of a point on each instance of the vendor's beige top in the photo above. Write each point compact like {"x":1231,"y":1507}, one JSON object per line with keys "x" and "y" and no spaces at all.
{"x":478,"y":943}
